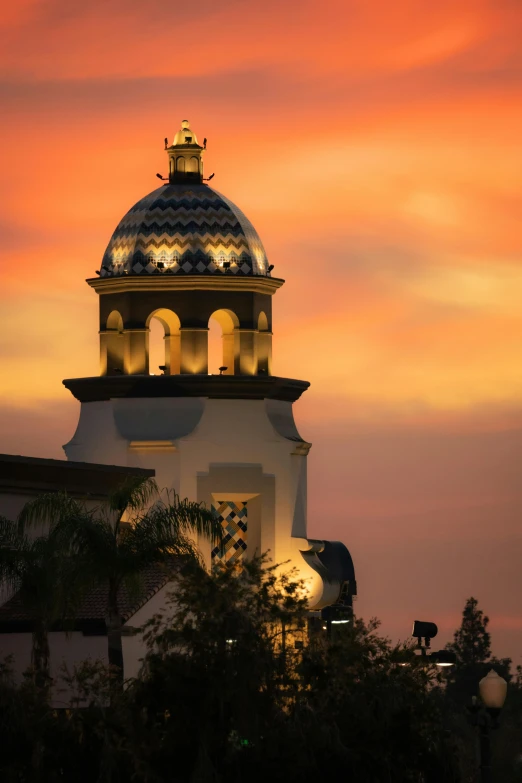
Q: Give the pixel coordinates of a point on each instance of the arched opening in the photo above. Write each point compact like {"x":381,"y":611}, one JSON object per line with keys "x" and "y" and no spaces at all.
{"x":262,"y":322}
{"x":171,"y":165}
{"x":264,"y":346}
{"x":180,"y":164}
{"x":223,"y":342}
{"x":164,"y":342}
{"x":193,"y":165}
{"x":111,"y":344}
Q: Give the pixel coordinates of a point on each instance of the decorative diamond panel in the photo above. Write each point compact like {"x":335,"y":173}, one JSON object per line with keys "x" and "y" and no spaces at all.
{"x":234,"y":521}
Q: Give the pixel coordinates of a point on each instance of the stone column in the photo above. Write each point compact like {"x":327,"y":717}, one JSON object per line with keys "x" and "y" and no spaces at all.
{"x":111,"y":352}
{"x":194,"y":350}
{"x":264,"y":353}
{"x":136,"y":351}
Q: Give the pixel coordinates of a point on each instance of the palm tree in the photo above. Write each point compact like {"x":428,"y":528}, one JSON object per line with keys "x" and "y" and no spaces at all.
{"x":77,"y":549}
{"x":115,"y":546}
{"x":40,"y":568}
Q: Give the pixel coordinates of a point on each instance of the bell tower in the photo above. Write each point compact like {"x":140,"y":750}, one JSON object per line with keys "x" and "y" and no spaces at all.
{"x":183,"y":254}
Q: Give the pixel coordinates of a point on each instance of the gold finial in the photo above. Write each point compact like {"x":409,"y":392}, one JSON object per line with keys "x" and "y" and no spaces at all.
{"x":185,"y":136}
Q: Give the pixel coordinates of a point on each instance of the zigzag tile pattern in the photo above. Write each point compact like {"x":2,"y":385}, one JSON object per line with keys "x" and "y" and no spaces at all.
{"x":184,"y":229}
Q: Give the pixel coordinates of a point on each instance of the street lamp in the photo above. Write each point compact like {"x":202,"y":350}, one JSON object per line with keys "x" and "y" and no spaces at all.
{"x":493,"y":690}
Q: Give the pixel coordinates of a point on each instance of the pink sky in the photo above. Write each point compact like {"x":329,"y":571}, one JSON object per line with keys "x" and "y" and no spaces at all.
{"x":376,"y":148}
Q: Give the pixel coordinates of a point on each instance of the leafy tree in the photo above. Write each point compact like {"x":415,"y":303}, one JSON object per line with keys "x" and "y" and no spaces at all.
{"x":472,"y":647}
{"x":235,"y":689}
{"x":472,"y":642}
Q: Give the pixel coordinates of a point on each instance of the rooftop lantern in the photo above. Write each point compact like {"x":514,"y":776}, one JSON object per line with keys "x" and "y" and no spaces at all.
{"x":185,"y":156}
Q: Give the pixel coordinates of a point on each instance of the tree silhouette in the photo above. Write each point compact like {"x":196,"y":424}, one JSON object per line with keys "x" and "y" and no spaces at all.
{"x":472,"y":642}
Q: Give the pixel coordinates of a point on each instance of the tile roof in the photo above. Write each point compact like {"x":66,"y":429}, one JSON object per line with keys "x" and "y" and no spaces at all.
{"x":92,"y":611}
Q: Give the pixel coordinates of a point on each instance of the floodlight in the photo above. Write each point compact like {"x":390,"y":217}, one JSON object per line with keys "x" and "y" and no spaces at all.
{"x":424,"y":630}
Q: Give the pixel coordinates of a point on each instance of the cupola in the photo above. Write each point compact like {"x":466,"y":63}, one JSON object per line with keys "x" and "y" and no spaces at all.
{"x":185,"y":156}
{"x":184,"y":254}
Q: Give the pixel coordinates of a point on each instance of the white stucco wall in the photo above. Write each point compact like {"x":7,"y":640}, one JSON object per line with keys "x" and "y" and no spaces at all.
{"x":134,"y":647}
{"x":184,"y":437}
{"x":65,"y":649}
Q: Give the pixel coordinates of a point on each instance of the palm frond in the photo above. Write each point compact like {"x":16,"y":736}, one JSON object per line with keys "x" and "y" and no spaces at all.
{"x":95,"y":541}
{"x":14,"y":552}
{"x":134,"y":493}
{"x":9,"y":533}
{"x":50,"y":510}
{"x":184,"y":518}
{"x":49,"y":582}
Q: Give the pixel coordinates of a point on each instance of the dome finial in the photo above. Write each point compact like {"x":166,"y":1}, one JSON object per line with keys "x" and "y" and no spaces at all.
{"x":185,"y":156}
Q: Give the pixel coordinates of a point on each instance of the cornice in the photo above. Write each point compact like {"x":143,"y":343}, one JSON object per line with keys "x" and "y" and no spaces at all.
{"x":219,"y":282}
{"x":238,"y":387}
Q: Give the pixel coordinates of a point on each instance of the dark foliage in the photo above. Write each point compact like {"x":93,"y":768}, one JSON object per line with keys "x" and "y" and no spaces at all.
{"x":472,"y":646}
{"x":234,"y":689}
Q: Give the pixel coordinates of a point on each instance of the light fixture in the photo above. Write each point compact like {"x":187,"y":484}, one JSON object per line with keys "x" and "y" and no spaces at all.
{"x":424,"y":630}
{"x":336,"y":614}
{"x":270,"y":267}
{"x":443,"y":658}
{"x":222,"y":370}
{"x":97,"y":272}
{"x":485,"y":716}
{"x":493,"y":690}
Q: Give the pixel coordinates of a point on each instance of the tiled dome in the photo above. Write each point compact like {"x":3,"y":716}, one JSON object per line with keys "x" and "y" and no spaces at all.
{"x":184,"y":228}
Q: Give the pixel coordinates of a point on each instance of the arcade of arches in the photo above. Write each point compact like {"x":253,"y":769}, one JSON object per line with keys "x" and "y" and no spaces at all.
{"x":163,"y":345}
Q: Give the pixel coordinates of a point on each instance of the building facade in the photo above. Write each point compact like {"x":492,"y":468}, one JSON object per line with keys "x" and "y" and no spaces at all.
{"x":182,"y":255}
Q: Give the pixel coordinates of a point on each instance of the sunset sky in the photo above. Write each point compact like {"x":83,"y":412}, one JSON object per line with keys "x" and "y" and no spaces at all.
{"x":376,"y":147}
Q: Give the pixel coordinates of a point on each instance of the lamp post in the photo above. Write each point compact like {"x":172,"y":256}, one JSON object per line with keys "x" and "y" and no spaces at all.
{"x":493,"y":690}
